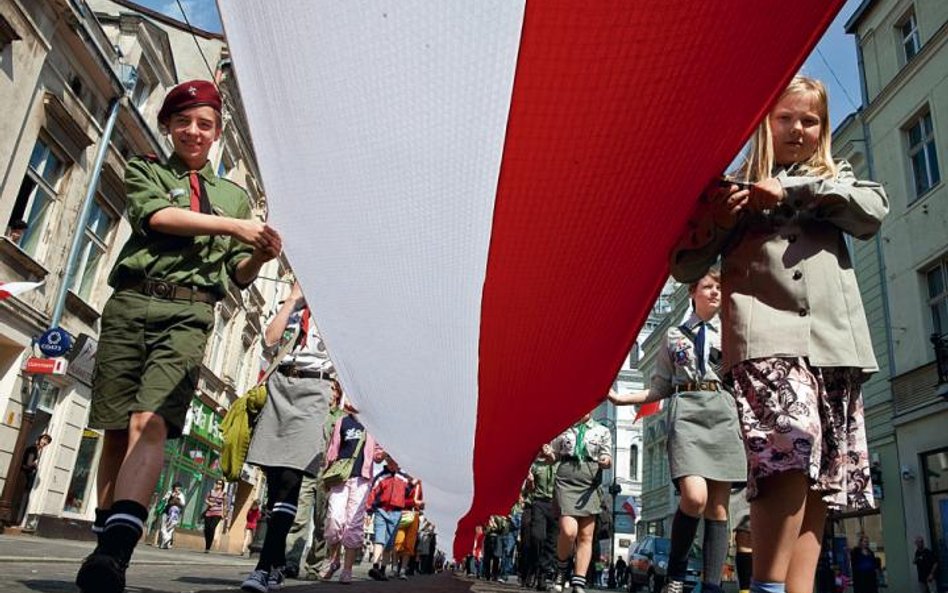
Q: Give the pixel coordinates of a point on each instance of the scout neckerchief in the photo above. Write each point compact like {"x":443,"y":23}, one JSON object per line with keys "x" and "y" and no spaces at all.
{"x":580,"y":451}
{"x":199,"y":200}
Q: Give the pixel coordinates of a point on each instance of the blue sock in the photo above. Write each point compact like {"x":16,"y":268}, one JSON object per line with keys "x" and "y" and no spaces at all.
{"x":758,"y":587}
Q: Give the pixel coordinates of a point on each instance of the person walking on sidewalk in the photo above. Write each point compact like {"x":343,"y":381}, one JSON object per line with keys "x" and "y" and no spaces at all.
{"x":795,"y":337}
{"x":170,"y":516}
{"x":192,"y":236}
{"x":353,"y":448}
{"x":215,"y":510}
{"x":583,"y":451}
{"x":311,"y":513}
{"x":705,"y":452}
{"x":250,"y":528}
{"x":387,"y":499}
{"x":288,"y":441}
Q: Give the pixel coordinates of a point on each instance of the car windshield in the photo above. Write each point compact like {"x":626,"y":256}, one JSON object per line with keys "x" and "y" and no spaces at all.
{"x":662,"y":545}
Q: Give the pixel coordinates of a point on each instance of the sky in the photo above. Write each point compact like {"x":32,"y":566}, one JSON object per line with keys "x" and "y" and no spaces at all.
{"x":834,"y":57}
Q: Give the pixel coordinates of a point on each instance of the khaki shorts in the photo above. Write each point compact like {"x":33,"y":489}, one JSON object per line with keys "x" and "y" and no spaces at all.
{"x":148,"y":360}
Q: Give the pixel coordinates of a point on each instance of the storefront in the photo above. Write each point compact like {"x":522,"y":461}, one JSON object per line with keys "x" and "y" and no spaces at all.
{"x":193,"y":460}
{"x":934,"y":467}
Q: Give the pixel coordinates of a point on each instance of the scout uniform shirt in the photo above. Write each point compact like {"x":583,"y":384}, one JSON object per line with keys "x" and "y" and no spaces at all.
{"x":544,"y":475}
{"x":597,"y":441}
{"x":202,"y":262}
{"x":676,"y":365}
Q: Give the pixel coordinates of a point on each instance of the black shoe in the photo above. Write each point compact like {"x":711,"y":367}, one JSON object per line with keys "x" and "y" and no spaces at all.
{"x":291,"y":572}
{"x":375,"y":574}
{"x":541,"y":584}
{"x":101,"y":573}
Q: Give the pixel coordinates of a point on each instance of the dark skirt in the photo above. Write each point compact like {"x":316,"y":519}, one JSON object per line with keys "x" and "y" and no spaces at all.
{"x":577,"y":488}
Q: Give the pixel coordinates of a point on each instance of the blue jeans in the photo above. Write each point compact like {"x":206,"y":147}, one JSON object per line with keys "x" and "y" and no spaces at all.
{"x":507,"y":541}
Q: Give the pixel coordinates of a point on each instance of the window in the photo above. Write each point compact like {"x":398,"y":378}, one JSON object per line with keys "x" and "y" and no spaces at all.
{"x":218,"y":343}
{"x":144,"y":85}
{"x":634,"y":463}
{"x":922,"y":154}
{"x":94,"y":246}
{"x":34,"y":201}
{"x":937,"y":279}
{"x":908,"y":34}
{"x":80,"y":484}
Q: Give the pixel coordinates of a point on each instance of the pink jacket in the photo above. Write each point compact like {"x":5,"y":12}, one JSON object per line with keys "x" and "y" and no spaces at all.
{"x":370,"y":445}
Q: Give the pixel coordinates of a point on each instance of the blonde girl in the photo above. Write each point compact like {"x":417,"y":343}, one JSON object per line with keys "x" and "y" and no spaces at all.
{"x":795,"y":338}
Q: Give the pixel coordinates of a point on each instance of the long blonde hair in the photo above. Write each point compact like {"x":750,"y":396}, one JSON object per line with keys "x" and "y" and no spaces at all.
{"x":759,"y":163}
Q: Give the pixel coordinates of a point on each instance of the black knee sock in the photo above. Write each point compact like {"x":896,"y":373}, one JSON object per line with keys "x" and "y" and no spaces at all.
{"x":123,"y":529}
{"x":98,"y":525}
{"x":274,"y":545}
{"x":744,"y":563}
{"x":684,"y":528}
{"x":714,"y":550}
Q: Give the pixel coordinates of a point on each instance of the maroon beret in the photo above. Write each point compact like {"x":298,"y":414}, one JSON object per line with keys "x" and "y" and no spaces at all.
{"x":189,"y":94}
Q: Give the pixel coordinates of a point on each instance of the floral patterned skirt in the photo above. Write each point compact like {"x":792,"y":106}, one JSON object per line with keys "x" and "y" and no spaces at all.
{"x":796,"y":417}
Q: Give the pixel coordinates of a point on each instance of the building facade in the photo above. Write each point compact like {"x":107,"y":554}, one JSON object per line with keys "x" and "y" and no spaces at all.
{"x":63,"y":65}
{"x":898,"y":138}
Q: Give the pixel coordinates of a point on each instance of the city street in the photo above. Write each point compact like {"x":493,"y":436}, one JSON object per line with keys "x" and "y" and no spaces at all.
{"x":36,"y":565}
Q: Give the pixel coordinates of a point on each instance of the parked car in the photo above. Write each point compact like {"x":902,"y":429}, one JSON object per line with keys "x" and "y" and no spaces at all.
{"x":648,"y":565}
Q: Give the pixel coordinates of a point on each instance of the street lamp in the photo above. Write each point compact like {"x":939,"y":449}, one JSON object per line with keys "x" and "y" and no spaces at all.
{"x":614,"y":488}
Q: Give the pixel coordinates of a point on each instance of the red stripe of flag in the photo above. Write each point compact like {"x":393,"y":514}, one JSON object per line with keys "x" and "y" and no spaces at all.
{"x":621,"y":113}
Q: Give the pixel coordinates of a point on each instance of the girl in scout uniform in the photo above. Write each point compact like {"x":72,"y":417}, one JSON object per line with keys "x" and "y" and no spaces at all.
{"x":583,"y":451}
{"x":705,"y":454}
{"x":288,"y":440}
{"x":192,"y":236}
{"x":796,"y":341}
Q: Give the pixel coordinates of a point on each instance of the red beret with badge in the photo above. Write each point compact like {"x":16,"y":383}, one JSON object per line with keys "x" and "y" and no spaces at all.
{"x":192,"y":93}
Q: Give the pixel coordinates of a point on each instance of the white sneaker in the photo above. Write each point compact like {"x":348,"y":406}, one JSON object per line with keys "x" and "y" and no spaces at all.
{"x":673,"y":587}
{"x":256,"y":582}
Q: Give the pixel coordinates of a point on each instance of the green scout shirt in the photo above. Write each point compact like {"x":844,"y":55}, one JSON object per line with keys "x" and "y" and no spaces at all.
{"x":203,"y":262}
{"x":544,"y":476}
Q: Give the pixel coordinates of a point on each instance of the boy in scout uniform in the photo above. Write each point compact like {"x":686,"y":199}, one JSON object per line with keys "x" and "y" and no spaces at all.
{"x":193,"y":234}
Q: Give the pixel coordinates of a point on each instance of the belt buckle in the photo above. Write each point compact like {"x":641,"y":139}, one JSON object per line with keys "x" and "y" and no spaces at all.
{"x":161,"y":289}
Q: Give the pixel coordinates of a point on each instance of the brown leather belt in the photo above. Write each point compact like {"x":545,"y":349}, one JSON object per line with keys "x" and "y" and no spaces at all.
{"x":698,"y":386}
{"x":170,"y":291}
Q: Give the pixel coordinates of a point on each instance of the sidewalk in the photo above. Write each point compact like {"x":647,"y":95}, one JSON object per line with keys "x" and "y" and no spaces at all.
{"x":36,"y":565}
{"x":27,"y":548}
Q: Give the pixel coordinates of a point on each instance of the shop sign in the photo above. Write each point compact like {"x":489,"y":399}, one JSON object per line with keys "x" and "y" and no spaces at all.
{"x":203,"y":422}
{"x":82,"y":358}
{"x":55,"y":342}
{"x":45,"y":366}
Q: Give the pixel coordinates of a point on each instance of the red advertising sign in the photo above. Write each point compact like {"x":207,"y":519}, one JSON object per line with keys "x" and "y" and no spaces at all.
{"x":46,"y":366}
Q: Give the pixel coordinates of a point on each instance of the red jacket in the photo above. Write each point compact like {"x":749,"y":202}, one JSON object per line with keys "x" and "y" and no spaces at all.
{"x":389,"y":491}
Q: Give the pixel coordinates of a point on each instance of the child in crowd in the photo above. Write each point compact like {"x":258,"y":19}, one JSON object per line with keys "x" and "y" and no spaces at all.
{"x":705,"y":454}
{"x":795,"y":337}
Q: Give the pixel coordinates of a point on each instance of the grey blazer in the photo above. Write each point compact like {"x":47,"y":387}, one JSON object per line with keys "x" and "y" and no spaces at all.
{"x":789,"y":285}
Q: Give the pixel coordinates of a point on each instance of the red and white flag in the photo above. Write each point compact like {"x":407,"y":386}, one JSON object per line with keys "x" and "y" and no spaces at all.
{"x":9,"y":289}
{"x":479,"y":197}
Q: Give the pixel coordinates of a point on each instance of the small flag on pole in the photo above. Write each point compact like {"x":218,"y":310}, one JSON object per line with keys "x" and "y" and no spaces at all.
{"x":629,"y":507}
{"x":647,"y":410}
{"x":9,"y":289}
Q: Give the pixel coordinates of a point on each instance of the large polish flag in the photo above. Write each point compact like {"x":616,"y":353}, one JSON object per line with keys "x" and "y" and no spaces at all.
{"x":479,"y":197}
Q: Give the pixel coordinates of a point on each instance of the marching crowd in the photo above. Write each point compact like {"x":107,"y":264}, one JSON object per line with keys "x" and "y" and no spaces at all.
{"x":767,"y":395}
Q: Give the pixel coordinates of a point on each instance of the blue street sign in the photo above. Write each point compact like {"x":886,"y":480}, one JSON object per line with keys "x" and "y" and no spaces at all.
{"x":55,"y":342}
